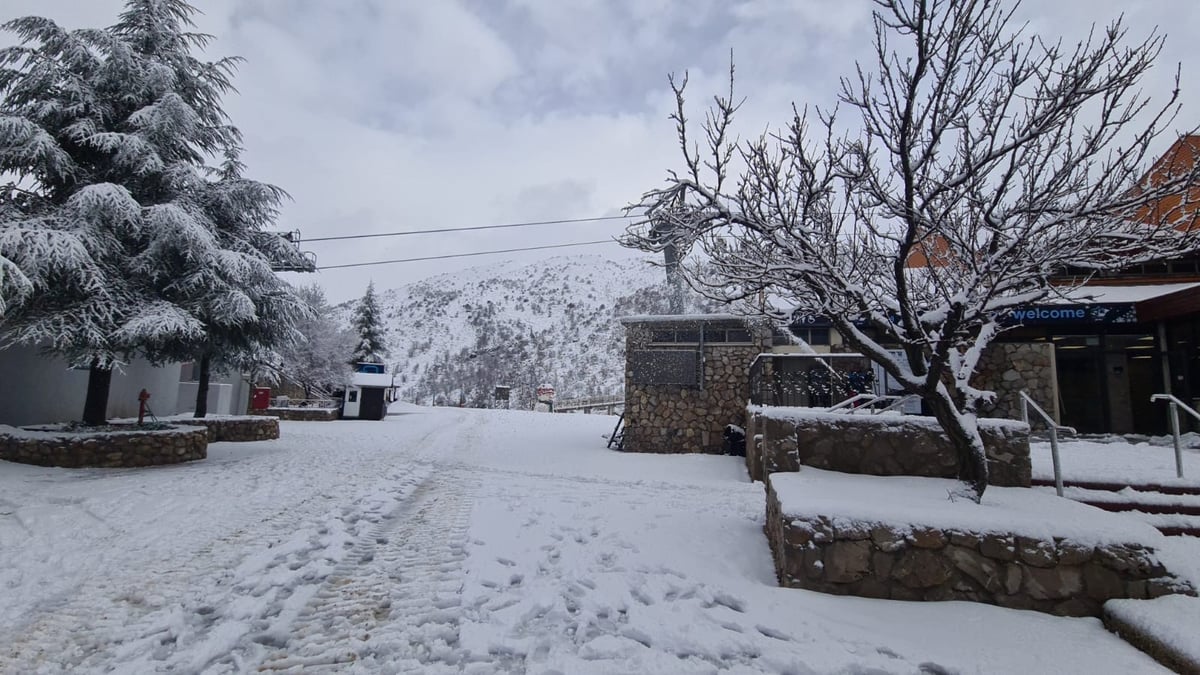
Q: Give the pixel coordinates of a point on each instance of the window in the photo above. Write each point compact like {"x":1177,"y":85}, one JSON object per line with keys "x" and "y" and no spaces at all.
{"x":662,"y":366}
{"x":692,"y":336}
{"x":352,"y":397}
{"x":813,"y":336}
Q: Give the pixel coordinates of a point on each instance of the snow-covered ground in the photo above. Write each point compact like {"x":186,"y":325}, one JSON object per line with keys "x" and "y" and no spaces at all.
{"x":448,"y":540}
{"x":1116,"y":461}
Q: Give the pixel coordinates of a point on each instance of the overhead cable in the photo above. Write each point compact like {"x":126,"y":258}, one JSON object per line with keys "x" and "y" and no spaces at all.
{"x":466,"y":255}
{"x":465,"y":229}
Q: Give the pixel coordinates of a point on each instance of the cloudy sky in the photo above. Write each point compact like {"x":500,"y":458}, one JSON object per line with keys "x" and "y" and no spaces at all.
{"x":401,"y":115}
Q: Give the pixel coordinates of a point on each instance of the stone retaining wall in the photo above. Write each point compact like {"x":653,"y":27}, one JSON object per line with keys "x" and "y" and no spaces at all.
{"x":299,"y":414}
{"x":236,"y":429}
{"x":104,"y":449}
{"x":782,"y":439}
{"x":1054,"y":576}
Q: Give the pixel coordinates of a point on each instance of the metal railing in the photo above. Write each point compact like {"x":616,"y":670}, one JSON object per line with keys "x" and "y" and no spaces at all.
{"x":567,"y":405}
{"x":869,"y":403}
{"x":286,"y":402}
{"x":1054,"y":427}
{"x":1175,"y":404}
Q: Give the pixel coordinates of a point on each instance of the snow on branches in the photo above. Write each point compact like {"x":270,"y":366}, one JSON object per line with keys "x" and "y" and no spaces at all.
{"x":987,"y":162}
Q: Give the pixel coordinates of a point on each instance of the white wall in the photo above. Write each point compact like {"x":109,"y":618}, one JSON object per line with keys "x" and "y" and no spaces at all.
{"x":37,"y":389}
{"x":219,"y":398}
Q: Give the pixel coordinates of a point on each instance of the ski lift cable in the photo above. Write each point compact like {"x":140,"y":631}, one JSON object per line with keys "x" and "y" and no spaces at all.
{"x":466,"y":255}
{"x":467,"y":229}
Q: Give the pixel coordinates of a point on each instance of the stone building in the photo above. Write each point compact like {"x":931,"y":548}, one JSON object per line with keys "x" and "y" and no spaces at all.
{"x":687,"y":378}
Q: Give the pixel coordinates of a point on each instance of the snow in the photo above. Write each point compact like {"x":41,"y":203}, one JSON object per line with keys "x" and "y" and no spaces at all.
{"x":799,"y":414}
{"x":1116,"y":462}
{"x":909,"y":502}
{"x":1094,"y":293}
{"x":452,"y":540}
{"x":1171,"y":620}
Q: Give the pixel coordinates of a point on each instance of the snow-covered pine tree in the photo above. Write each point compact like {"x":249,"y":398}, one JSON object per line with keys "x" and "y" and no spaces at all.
{"x":248,"y":312}
{"x":370,"y":345}
{"x":108,"y":132}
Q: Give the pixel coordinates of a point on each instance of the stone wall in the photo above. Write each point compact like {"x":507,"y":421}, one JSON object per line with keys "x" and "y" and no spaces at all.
{"x":1008,"y":368}
{"x":681,"y":418}
{"x":782,"y":439}
{"x":104,"y":449}
{"x":299,"y":414}
{"x":1054,"y":576}
{"x":236,"y":429}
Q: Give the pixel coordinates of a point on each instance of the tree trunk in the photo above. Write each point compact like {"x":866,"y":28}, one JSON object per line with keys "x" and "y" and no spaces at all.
{"x":202,"y":387}
{"x":95,"y":406}
{"x":967,"y":443}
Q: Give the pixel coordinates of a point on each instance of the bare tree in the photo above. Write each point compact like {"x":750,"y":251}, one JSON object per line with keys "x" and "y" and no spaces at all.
{"x":987,"y":161}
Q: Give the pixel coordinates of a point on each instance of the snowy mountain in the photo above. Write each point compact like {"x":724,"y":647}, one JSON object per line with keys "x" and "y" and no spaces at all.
{"x":455,"y":337}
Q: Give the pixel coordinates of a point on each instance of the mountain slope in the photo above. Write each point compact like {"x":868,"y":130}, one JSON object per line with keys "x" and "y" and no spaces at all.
{"x":455,"y":337}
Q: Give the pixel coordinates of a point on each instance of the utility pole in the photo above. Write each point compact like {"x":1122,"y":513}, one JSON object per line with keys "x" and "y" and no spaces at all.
{"x":662,"y":228}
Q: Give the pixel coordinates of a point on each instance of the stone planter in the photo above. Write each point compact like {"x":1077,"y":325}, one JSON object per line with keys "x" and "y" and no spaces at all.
{"x":104,"y":449}
{"x":236,"y":429}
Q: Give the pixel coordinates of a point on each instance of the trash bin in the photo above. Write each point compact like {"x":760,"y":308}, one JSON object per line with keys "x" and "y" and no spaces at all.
{"x":260,"y":398}
{"x":735,"y":440}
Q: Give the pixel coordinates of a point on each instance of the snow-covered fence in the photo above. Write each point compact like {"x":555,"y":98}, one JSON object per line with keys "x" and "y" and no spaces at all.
{"x":287,"y":402}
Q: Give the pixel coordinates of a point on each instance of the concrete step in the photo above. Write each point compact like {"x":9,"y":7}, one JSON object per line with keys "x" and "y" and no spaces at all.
{"x":1117,"y":486}
{"x":1164,"y":628}
{"x":1172,"y":509}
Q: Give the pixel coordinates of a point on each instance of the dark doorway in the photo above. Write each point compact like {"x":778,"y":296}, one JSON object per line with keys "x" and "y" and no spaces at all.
{"x":1081,"y":383}
{"x":371,"y":407}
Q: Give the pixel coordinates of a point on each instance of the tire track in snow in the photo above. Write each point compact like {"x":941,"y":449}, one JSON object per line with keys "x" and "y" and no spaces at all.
{"x":395,"y":602}
{"x":140,"y":614}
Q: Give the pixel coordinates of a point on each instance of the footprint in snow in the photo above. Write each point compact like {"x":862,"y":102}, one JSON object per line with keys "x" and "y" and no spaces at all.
{"x":506,"y":562}
{"x":772,"y":633}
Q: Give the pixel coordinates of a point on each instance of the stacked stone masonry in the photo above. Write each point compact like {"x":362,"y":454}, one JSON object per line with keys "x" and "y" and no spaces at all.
{"x":1010,"y":368}
{"x":108,"y":450}
{"x":876,"y":561}
{"x":683,"y":419}
{"x":879,"y":446}
{"x":236,"y":429}
{"x":299,"y":414}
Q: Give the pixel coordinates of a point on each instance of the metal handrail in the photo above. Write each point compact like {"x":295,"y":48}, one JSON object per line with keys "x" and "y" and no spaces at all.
{"x":850,"y":401}
{"x":899,"y":401}
{"x":869,"y":400}
{"x":1175,"y":405}
{"x":1054,"y":428}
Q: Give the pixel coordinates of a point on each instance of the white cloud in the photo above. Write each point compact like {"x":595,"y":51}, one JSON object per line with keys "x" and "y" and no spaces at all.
{"x":388,"y":115}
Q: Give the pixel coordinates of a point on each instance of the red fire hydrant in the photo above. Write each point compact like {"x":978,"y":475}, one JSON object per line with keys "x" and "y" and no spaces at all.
{"x":143,"y":396}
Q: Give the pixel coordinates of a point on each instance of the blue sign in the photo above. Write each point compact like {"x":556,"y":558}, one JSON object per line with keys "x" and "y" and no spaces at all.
{"x":1043,"y":315}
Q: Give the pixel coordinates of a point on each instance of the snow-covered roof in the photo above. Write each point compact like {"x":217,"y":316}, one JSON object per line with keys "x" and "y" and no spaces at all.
{"x":1120,"y":294}
{"x":371,"y":379}
{"x":678,"y":318}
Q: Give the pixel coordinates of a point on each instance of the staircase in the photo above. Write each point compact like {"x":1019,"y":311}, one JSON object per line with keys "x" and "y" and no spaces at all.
{"x":1172,"y":509}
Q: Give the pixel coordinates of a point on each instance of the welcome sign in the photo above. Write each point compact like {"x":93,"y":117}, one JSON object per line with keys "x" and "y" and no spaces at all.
{"x":1042,"y":315}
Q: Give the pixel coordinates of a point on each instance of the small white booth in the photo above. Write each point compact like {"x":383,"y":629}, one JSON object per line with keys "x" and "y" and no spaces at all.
{"x":366,"y":394}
